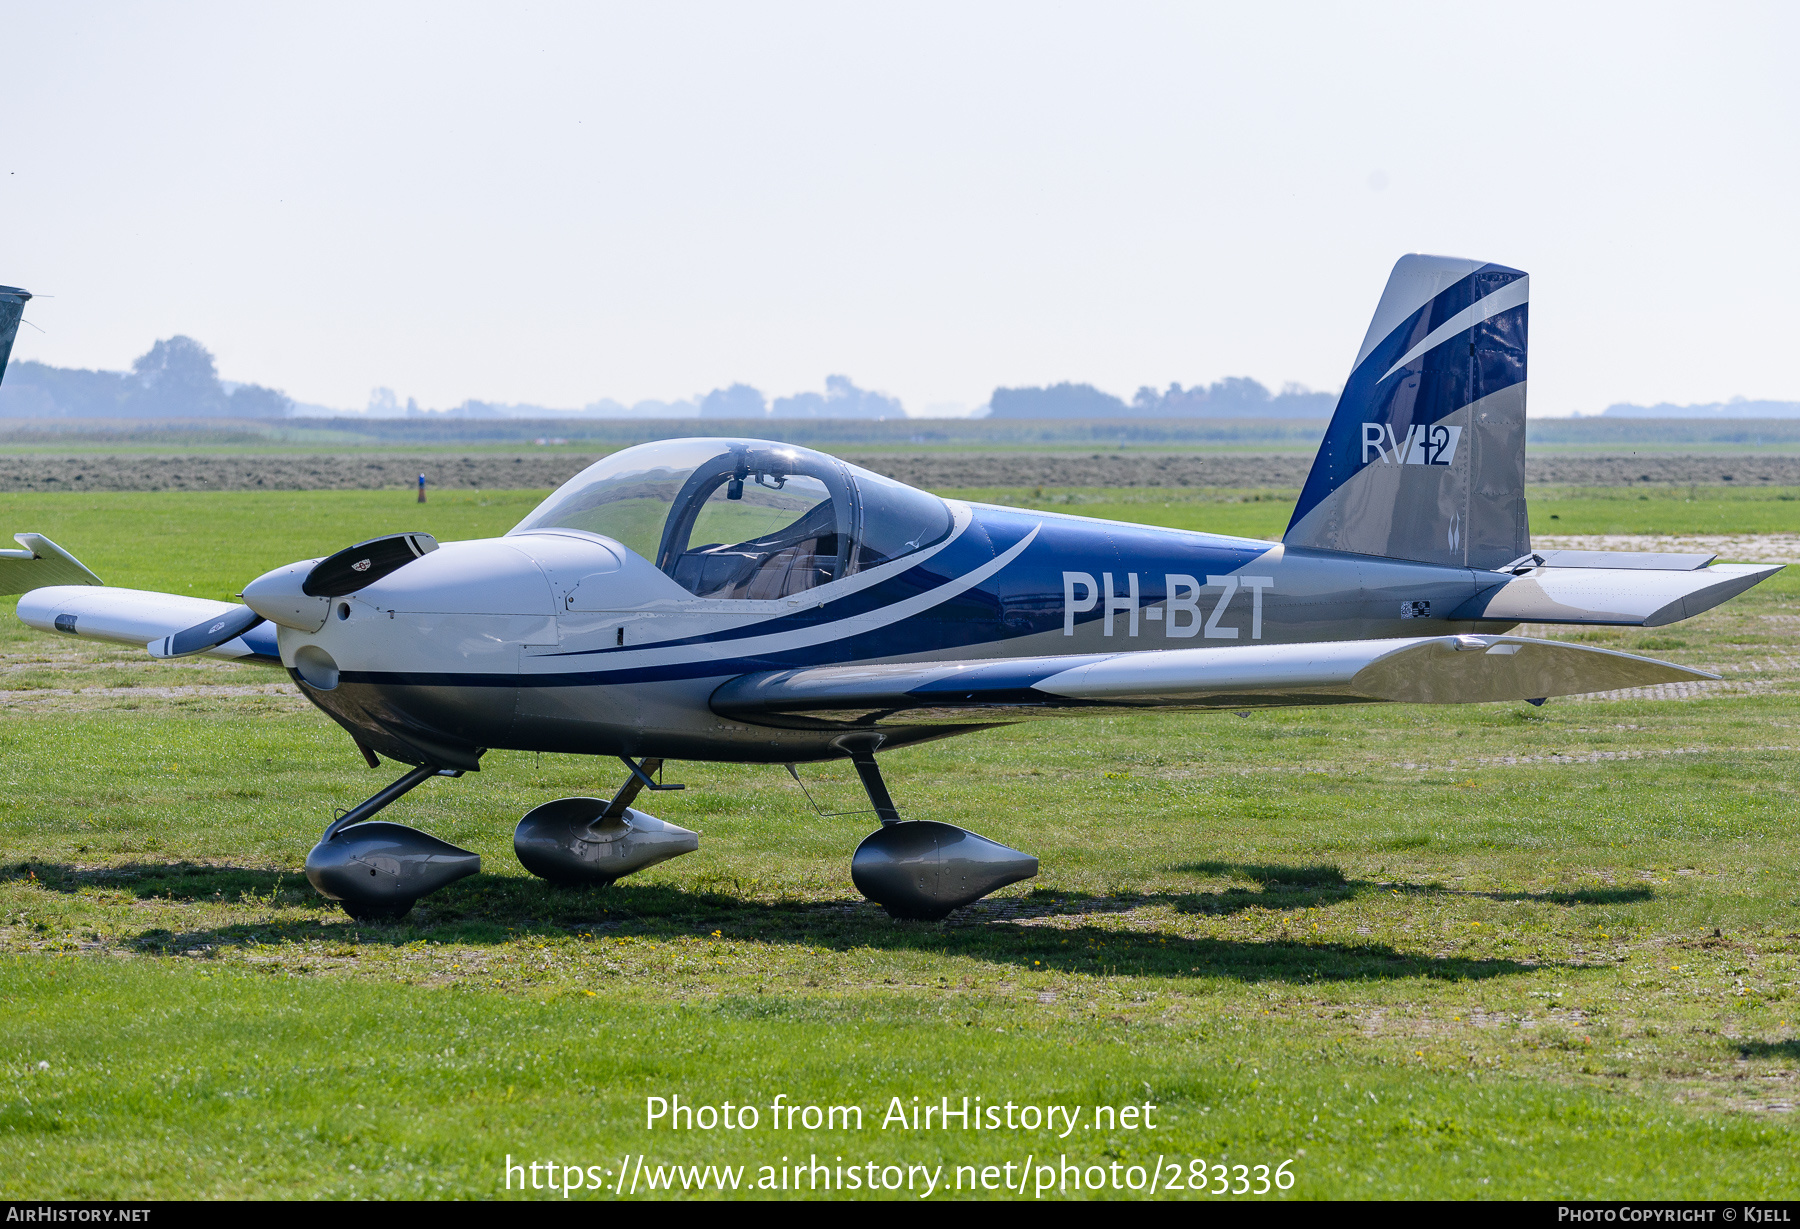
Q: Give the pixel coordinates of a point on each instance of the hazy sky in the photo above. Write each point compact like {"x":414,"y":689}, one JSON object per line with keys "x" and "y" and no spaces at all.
{"x":553,"y":203}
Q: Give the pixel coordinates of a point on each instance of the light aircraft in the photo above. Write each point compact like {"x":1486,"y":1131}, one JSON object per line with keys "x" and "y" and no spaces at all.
{"x":749,"y":601}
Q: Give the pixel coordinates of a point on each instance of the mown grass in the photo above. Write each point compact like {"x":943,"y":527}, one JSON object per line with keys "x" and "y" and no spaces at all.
{"x":1493,"y":951}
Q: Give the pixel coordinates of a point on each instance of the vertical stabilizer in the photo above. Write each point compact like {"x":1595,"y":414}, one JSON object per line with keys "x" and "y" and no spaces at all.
{"x":1425,"y":455}
{"x":12,"y":310}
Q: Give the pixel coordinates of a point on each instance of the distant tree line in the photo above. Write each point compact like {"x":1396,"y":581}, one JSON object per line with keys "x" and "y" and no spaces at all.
{"x":1233,"y":397}
{"x":175,"y":379}
{"x":841,"y":399}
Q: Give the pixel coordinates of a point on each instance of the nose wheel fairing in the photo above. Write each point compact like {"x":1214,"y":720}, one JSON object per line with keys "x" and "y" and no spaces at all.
{"x":379,"y":869}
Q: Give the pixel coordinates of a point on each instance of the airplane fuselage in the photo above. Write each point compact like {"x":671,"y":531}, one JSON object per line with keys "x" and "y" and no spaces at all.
{"x":565,"y":641}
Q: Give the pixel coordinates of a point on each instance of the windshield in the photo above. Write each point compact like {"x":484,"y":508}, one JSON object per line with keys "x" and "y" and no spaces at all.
{"x":745,"y":518}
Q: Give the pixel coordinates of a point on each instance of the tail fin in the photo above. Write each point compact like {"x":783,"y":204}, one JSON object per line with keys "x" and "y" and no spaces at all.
{"x":12,"y":310}
{"x":1425,"y":455}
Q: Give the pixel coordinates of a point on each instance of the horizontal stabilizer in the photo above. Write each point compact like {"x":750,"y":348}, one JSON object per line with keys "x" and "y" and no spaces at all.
{"x":1617,"y":596}
{"x":140,"y":617}
{"x":1421,"y":670}
{"x":41,"y":562}
{"x":1631,"y":560}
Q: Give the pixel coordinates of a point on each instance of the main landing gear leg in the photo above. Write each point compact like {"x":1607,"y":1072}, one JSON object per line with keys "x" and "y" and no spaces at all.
{"x":923,"y":869}
{"x":377,"y":870}
{"x":575,"y":841}
{"x":877,"y":789}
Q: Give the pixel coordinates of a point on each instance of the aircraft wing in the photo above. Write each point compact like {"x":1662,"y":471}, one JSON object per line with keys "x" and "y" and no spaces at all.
{"x":138,"y":617}
{"x":1421,"y":670}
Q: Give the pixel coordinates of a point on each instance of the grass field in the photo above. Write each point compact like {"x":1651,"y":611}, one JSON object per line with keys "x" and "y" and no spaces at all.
{"x":1485,"y":952}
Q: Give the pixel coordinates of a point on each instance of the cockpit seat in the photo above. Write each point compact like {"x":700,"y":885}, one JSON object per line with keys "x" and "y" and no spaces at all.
{"x":759,"y":576}
{"x":786,"y":573}
{"x":716,"y":570}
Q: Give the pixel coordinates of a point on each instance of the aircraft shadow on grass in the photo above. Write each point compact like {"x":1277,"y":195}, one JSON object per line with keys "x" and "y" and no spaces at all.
{"x":495,"y":909}
{"x":1301,"y":887}
{"x":175,"y":881}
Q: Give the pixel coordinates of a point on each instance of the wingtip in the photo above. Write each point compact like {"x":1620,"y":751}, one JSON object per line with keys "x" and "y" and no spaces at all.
{"x":73,"y":571}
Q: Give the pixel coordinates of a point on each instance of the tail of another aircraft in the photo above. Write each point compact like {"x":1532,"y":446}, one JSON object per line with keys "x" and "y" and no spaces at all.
{"x":1425,"y":455}
{"x":12,"y":310}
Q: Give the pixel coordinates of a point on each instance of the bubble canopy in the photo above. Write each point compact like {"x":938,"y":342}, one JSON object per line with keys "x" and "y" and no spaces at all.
{"x":750,"y":519}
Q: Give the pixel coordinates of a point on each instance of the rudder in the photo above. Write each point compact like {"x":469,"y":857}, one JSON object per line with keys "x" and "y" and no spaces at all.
{"x":1425,"y":455}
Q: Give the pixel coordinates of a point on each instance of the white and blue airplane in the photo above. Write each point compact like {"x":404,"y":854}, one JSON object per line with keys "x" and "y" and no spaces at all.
{"x":754,"y":602}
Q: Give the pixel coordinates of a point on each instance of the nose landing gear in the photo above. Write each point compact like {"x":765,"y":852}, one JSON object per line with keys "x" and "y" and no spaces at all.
{"x":378,"y":870}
